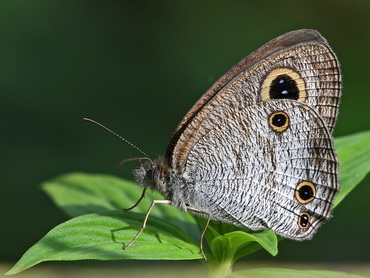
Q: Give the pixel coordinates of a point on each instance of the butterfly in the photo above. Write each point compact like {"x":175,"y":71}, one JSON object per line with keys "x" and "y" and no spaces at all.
{"x":256,"y":150}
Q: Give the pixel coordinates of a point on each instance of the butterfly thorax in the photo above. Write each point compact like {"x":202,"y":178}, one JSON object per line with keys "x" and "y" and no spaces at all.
{"x":155,"y":176}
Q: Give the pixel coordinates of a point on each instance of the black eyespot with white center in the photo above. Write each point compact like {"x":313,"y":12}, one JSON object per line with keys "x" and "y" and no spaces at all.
{"x":284,"y":87}
{"x":304,"y":220}
{"x":279,"y":121}
{"x":283,"y":83}
{"x":305,"y":192}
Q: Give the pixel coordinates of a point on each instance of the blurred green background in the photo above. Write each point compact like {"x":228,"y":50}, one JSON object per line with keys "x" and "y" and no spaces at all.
{"x":137,"y":67}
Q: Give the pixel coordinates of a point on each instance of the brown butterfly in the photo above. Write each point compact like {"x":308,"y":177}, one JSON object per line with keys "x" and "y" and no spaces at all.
{"x":256,"y":150}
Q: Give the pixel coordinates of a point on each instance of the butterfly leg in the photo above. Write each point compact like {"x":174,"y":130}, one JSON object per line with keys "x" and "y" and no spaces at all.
{"x":154,"y":202}
{"x":138,"y":201}
{"x":208,"y":217}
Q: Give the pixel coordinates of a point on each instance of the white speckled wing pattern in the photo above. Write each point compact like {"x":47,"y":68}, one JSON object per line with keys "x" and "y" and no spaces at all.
{"x":225,"y":158}
{"x":313,"y":60}
{"x":250,"y":173}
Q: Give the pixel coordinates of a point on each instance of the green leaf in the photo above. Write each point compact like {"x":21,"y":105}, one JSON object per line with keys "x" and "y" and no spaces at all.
{"x":289,"y":273}
{"x":231,"y":246}
{"x":81,"y":193}
{"x":354,"y":157}
{"x":102,"y":236}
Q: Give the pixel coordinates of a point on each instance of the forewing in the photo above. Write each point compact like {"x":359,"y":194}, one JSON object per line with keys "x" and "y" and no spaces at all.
{"x":303,"y":59}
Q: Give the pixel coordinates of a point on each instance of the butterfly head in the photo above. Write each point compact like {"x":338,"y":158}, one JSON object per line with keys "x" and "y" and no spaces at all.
{"x":153,"y":175}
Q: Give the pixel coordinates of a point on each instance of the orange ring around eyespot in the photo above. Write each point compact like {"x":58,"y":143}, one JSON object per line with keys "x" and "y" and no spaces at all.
{"x":265,"y":87}
{"x":300,"y":220}
{"x":278,"y":128}
{"x":299,"y":197}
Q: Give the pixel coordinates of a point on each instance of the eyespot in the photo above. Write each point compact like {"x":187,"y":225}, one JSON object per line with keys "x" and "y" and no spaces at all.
{"x":305,"y":192}
{"x":284,"y":87}
{"x":283,"y":83}
{"x":304,"y":220}
{"x":279,"y":121}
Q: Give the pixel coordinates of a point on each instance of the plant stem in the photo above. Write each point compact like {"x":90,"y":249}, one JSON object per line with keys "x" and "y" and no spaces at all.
{"x":220,"y":269}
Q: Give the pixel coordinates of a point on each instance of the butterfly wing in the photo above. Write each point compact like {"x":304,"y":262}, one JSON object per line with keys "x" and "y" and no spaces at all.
{"x":227,"y":160}
{"x":302,"y":58}
{"x":252,"y":171}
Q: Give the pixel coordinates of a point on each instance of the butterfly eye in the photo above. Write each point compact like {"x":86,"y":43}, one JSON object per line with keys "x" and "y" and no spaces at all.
{"x":305,"y":192}
{"x":304,"y":220}
{"x":283,"y":83}
{"x":279,"y":121}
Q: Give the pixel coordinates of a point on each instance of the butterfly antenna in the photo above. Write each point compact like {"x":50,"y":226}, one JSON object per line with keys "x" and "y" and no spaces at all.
{"x":119,"y":164}
{"x":120,"y":137}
